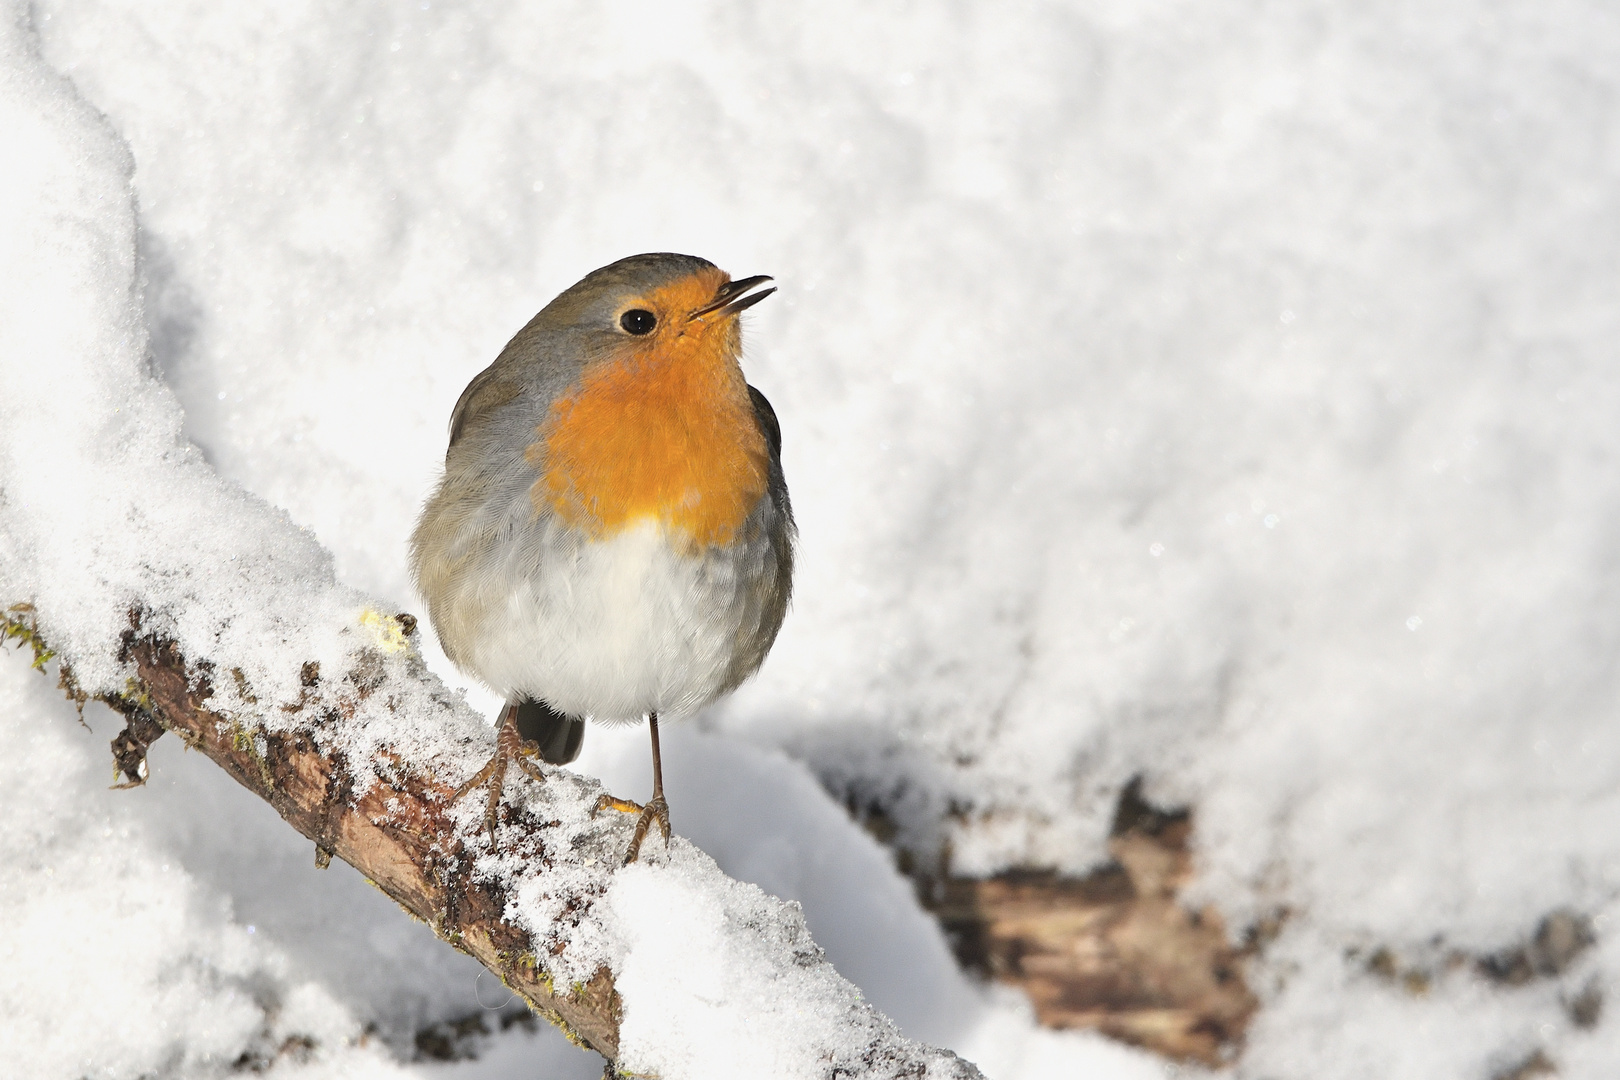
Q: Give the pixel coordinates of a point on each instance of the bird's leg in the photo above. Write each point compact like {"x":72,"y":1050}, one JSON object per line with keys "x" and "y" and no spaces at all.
{"x":655,"y":810}
{"x":509,"y":747}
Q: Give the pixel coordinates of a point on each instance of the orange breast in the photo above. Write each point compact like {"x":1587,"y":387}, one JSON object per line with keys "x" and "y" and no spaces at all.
{"x":665,"y":432}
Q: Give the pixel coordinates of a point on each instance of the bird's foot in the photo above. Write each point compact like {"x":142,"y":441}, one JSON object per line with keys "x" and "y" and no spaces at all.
{"x":655,"y":810}
{"x":510,"y":747}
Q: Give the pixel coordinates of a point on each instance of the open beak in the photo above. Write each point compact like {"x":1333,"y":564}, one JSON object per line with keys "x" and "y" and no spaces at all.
{"x":731,"y":299}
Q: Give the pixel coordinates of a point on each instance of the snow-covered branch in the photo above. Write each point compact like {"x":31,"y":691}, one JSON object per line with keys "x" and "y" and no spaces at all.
{"x":546,"y":913}
{"x":397,"y":834}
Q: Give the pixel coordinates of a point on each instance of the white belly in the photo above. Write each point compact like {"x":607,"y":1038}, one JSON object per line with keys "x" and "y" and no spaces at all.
{"x":610,"y":629}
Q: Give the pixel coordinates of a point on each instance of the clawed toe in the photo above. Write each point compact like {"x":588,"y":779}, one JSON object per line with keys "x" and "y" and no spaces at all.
{"x":509,"y":748}
{"x":491,"y":775}
{"x":482,"y":775}
{"x":656,"y":809}
{"x":525,"y":761}
{"x":613,"y":802}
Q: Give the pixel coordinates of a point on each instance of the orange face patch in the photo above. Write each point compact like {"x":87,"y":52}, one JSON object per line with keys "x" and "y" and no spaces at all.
{"x":663,"y":429}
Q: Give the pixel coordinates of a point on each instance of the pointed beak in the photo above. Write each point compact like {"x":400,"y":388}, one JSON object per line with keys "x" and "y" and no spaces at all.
{"x":733,"y":298}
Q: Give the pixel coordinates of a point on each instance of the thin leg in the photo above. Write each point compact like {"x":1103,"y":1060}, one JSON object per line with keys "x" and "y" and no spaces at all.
{"x":655,"y":810}
{"x":658,"y":759}
{"x":509,"y":748}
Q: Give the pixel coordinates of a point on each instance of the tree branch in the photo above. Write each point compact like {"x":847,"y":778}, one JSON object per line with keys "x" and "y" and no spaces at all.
{"x":390,"y":817}
{"x":399,"y":836}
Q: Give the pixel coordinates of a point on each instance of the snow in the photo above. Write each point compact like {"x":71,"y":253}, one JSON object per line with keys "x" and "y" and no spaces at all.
{"x":1221,"y":393}
{"x":117,"y":962}
{"x":115,"y":523}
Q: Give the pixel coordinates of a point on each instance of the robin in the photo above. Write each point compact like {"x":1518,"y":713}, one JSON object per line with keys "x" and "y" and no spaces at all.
{"x":612,"y":538}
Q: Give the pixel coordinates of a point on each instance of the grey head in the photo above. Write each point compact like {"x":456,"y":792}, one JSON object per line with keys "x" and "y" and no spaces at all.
{"x":583,"y":323}
{"x":593,"y":304}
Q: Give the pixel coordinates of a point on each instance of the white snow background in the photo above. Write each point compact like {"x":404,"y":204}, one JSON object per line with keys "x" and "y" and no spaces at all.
{"x":1224,"y":393}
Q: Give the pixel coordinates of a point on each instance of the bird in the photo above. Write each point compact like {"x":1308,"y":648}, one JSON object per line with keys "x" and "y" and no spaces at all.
{"x":611,"y":538}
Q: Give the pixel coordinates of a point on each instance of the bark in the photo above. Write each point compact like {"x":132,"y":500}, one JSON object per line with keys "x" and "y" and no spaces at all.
{"x":397,"y":836}
{"x":1115,"y":951}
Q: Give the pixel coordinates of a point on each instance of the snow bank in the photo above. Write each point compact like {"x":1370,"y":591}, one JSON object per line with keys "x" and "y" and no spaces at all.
{"x":112,"y":522}
{"x":1222,"y":393}
{"x":115,"y":963}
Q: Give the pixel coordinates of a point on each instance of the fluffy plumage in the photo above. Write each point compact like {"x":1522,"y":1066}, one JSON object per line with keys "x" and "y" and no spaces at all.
{"x":612,"y":535}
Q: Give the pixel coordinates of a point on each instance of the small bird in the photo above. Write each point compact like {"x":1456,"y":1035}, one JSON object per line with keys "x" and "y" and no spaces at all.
{"x":612,"y":537}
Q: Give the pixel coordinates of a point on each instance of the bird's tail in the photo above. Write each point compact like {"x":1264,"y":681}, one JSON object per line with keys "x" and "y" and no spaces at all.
{"x":559,"y":736}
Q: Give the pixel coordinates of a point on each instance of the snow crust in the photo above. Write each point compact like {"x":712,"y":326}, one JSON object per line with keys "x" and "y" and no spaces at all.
{"x":1222,"y":393}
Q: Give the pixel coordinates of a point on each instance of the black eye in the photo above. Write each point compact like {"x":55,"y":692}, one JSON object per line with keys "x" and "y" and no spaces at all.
{"x":638,"y":321}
